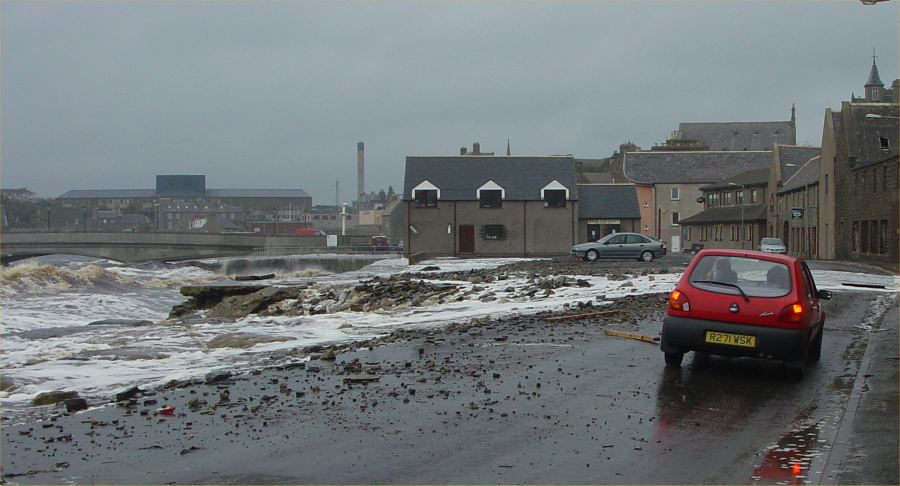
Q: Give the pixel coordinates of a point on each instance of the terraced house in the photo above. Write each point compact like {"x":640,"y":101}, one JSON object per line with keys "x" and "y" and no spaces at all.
{"x":484,"y":205}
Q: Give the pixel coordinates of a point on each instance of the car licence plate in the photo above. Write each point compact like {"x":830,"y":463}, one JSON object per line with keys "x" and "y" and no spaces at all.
{"x":731,"y":339}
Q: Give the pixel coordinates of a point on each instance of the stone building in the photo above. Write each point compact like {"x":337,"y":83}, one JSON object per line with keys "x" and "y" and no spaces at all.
{"x":668,"y":185}
{"x":796,"y":211}
{"x":786,"y":161}
{"x":734,"y":214}
{"x":486,"y":205}
{"x":605,"y":209}
{"x":858,"y":178}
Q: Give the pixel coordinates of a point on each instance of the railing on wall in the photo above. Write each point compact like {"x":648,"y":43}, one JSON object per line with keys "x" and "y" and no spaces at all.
{"x":341,"y":250}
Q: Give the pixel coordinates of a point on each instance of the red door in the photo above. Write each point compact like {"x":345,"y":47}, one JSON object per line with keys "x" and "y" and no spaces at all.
{"x":466,"y":238}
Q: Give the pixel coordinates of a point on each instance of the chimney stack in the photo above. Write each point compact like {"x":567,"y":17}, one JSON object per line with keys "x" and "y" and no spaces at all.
{"x":476,"y":148}
{"x":360,"y":171}
{"x":462,"y":151}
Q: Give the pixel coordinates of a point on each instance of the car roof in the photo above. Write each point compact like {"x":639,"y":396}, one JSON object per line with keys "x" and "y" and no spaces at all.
{"x":760,"y":255}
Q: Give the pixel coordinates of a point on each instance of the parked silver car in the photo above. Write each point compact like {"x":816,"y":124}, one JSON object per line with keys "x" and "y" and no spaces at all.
{"x":772,"y":245}
{"x":621,"y":245}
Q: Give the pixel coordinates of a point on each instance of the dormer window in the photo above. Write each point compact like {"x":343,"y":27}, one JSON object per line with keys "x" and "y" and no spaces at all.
{"x":555,"y":195}
{"x":490,"y":195}
{"x":885,"y":144}
{"x":426,"y":198}
{"x":426,"y":195}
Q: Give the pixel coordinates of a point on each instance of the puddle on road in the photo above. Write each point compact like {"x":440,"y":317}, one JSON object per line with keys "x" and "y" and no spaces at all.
{"x":788,"y":461}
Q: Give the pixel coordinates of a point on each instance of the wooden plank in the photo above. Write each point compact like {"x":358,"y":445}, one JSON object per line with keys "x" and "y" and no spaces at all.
{"x":575,"y":317}
{"x":631,"y":335}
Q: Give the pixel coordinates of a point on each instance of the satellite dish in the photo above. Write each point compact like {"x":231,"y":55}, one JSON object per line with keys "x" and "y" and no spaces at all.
{"x":701,"y":199}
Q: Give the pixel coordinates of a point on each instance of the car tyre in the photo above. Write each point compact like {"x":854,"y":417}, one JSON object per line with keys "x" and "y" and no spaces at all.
{"x":592,"y":255}
{"x":674,"y":359}
{"x":647,"y":256}
{"x":815,"y":348}
{"x":794,"y":373}
{"x":701,"y":360}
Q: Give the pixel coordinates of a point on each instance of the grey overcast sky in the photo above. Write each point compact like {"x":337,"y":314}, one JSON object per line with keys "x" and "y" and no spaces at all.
{"x":105,"y":95}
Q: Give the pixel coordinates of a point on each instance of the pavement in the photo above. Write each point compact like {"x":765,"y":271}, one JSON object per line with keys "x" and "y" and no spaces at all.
{"x":866,"y":450}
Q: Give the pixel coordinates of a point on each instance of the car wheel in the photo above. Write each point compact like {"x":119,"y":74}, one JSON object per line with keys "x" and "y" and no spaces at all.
{"x":794,"y":373}
{"x":701,"y":359}
{"x":647,"y":256}
{"x":591,"y":255}
{"x":815,"y":349}
{"x":674,"y":359}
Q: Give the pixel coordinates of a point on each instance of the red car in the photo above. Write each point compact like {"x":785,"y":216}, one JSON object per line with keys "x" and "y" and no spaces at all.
{"x":745,"y":303}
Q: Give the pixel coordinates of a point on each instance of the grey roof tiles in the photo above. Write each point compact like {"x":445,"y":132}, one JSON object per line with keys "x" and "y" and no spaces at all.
{"x":597,"y":201}
{"x":459,"y":177}
{"x":808,"y":174}
{"x":739,"y":136}
{"x":728,"y":214}
{"x":691,"y":167}
{"x":792,"y":158}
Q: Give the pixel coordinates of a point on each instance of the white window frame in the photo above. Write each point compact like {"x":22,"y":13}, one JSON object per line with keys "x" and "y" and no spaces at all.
{"x":675,"y":193}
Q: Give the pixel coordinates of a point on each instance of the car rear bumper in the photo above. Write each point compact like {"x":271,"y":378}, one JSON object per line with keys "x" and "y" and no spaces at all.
{"x":682,"y":334}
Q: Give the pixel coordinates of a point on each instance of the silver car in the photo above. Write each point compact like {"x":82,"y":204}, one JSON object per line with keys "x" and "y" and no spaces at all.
{"x":621,"y":245}
{"x":772,"y":245}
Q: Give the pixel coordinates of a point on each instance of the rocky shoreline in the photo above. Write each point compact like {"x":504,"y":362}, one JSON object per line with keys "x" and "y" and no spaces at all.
{"x":223,"y":301}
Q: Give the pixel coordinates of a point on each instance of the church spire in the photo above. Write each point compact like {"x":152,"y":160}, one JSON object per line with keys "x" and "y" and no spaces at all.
{"x":874,"y":79}
{"x":874,"y":86}
{"x":793,"y":115}
{"x":507,"y":148}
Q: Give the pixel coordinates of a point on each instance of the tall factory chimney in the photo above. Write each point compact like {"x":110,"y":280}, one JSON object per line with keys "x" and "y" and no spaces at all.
{"x":361,"y":171}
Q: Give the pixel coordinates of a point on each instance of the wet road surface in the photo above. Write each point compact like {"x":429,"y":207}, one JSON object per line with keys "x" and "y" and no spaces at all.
{"x":511,"y":401}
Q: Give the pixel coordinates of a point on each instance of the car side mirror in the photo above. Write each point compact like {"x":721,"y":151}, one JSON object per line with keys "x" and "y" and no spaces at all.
{"x":824,"y":294}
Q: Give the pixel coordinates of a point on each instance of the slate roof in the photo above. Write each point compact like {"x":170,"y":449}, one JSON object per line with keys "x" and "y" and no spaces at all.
{"x":808,"y":174}
{"x":728,"y":214}
{"x":459,"y":177}
{"x":257,"y":193}
{"x":874,"y":80}
{"x":755,"y":177}
{"x":864,"y":134}
{"x":691,"y":167}
{"x":109,"y":194}
{"x":792,"y":158}
{"x":597,"y":177}
{"x":739,"y":136}
{"x":601,"y":201}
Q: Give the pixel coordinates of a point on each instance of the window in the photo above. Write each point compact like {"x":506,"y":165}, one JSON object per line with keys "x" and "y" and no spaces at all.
{"x":635,"y":239}
{"x":676,"y":193}
{"x":885,"y":144}
{"x":727,"y":201}
{"x":739,"y":197}
{"x":854,"y":242}
{"x":675,"y":218}
{"x":493,"y":232}
{"x":617,"y":240}
{"x":554,"y":198}
{"x":426,"y":198}
{"x":490,"y":198}
{"x":754,"y":195}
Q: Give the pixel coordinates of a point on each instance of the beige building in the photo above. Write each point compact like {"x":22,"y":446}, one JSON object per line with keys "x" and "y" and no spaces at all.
{"x":668,"y":185}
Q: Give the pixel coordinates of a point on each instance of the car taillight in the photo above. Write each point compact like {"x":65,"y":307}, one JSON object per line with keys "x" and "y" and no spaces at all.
{"x":791,"y":313}
{"x":679,"y":302}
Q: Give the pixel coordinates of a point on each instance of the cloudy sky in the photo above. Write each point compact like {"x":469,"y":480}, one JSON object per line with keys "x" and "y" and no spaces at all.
{"x":275,"y":95}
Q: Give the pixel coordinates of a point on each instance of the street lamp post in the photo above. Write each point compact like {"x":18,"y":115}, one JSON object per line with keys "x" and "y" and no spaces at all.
{"x":48,"y":218}
{"x":741,"y":232}
{"x":83,"y":219}
{"x":876,"y":116}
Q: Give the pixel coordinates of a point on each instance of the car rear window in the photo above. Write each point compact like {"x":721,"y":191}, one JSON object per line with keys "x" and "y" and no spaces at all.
{"x":771,"y":241}
{"x":755,"y":277}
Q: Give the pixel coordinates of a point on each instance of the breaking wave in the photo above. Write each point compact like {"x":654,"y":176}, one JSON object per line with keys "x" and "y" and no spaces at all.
{"x":36,"y":278}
